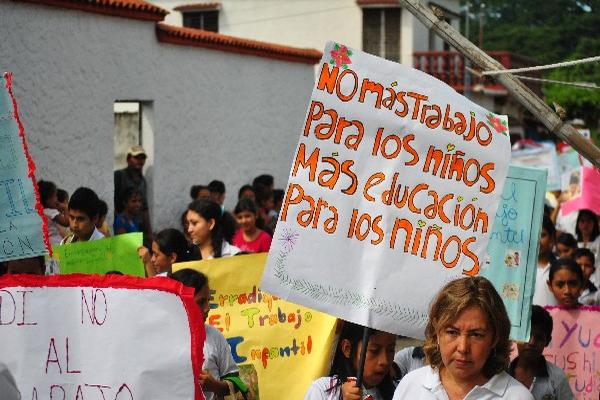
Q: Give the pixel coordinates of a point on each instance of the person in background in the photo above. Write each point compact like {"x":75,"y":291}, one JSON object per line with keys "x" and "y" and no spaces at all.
{"x":217,"y":194}
{"x":220,"y":374}
{"x":199,"y":192}
{"x":32,"y":265}
{"x":588,"y":236}
{"x":565,"y":281}
{"x":248,"y":237}
{"x":566,"y":245}
{"x":132,"y":177}
{"x":278,"y":199}
{"x":102,"y":225}
{"x":466,"y":347}
{"x":542,"y":295}
{"x":246,"y":192}
{"x":544,"y":379}
{"x":409,"y":358}
{"x":168,"y":247}
{"x":205,"y":228}
{"x":83,"y":216}
{"x":57,"y":217}
{"x":341,"y":382}
{"x":127,"y":221}
{"x":590,"y":295}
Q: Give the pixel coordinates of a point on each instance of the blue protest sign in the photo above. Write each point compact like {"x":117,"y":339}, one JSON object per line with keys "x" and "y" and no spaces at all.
{"x":21,"y":222}
{"x":513,"y":246}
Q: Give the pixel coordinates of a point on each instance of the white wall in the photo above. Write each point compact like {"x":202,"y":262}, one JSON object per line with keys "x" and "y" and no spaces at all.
{"x":215,"y":115}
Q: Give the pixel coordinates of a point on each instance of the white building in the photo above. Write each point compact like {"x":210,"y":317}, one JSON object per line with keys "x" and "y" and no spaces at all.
{"x":213,"y":107}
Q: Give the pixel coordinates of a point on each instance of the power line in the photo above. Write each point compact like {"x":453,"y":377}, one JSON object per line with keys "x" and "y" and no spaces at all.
{"x":288,"y":16}
{"x":585,"y":85}
{"x":542,"y":67}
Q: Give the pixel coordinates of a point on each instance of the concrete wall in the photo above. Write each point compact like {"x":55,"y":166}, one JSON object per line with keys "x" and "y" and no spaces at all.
{"x":212,"y":114}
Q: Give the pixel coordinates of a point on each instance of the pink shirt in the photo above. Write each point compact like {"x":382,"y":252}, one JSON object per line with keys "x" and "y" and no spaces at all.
{"x":261,"y":244}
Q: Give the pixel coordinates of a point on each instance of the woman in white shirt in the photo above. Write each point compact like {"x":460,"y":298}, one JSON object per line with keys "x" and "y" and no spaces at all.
{"x":466,"y":347}
{"x":205,"y":227}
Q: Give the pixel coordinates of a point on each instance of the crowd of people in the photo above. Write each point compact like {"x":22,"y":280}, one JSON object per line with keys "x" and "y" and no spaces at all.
{"x":466,"y":351}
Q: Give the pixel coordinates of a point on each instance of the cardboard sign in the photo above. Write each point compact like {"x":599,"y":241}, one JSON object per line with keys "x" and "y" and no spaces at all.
{"x":93,"y":337}
{"x":513,"y":247}
{"x":589,"y":196}
{"x":543,"y":155}
{"x":279,"y":347}
{"x":22,"y":222}
{"x":392,"y":193}
{"x":115,"y":253}
{"x":575,"y":348}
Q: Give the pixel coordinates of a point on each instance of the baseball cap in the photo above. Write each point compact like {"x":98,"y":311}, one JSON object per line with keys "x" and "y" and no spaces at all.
{"x":135,"y":151}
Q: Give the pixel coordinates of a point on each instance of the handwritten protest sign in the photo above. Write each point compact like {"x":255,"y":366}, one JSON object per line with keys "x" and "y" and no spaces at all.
{"x":390,"y":193}
{"x":280,"y":347}
{"x":575,"y":348}
{"x":100,"y":337}
{"x":589,"y":197}
{"x":22,"y":232}
{"x":514,"y":244}
{"x":542,"y":155}
{"x":116,"y":253}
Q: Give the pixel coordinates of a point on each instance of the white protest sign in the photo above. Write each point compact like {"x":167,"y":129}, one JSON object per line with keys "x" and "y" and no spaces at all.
{"x":77,"y":337}
{"x":392,"y":193}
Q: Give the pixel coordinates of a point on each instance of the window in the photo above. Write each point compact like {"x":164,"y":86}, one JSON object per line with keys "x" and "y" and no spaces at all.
{"x":207,"y":20}
{"x":381,"y":32}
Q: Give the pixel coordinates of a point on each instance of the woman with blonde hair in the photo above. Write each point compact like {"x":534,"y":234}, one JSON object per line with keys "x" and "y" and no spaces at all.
{"x":466,"y":348}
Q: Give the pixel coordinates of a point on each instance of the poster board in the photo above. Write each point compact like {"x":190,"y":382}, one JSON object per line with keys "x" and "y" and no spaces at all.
{"x":575,"y":348}
{"x":90,"y":336}
{"x":543,"y":155}
{"x":115,"y":253}
{"x":391,"y":193}
{"x":23,"y":233}
{"x":279,"y":347}
{"x":513,"y":247}
{"x":589,"y":196}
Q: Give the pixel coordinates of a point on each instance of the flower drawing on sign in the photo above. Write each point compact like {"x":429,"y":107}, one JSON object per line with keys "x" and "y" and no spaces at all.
{"x":510,"y":291}
{"x":499,"y":125}
{"x":340,"y":56}
{"x":288,"y":239}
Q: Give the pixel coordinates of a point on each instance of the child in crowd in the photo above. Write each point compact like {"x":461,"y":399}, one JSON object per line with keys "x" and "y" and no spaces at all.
{"x":588,"y":236}
{"x":565,"y":281}
{"x":199,"y":192}
{"x":542,"y":295}
{"x":102,"y":225}
{"x":246,"y":192}
{"x":83,"y":216}
{"x":205,"y":228}
{"x":341,"y":384}
{"x":248,"y":237}
{"x":544,"y":379}
{"x":128,"y":221}
{"x":168,"y":247}
{"x":590,"y":295}
{"x":219,"y":373}
{"x":58,"y":220}
{"x":566,"y":245}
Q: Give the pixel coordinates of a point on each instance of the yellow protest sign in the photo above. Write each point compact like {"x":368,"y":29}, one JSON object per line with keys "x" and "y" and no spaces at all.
{"x":279,"y":346}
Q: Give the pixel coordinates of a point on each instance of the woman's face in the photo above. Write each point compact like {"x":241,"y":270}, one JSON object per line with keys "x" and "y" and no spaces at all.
{"x":380,"y":355}
{"x":586,"y":226}
{"x":246,"y":220}
{"x":566,"y":287}
{"x":160,"y":261}
{"x":466,"y":344}
{"x":199,"y":229}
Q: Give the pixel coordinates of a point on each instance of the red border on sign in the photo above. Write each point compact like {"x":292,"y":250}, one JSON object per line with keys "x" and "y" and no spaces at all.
{"x":186,"y":294}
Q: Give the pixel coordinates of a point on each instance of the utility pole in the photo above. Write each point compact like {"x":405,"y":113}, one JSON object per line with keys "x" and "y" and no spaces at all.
{"x":515,"y":87}
{"x":467,"y":73}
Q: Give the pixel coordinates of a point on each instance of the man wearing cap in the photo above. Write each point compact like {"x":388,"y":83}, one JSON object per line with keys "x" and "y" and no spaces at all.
{"x":131,"y":177}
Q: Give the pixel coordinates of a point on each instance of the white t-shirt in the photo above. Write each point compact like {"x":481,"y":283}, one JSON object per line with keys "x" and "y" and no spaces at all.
{"x":406,"y":362}
{"x":217,"y":357}
{"x":424,"y":384}
{"x":542,"y":296}
{"x":319,"y":390}
{"x":53,"y":234}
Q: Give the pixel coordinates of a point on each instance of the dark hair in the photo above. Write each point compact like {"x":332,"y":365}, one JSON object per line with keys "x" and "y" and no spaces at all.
{"x":451,"y":301}
{"x":343,"y":367}
{"x":85,"y":200}
{"x":173,"y":241}
{"x":195,"y":190}
{"x":263,"y":180}
{"x":589,"y":214}
{"x":567,"y":239}
{"x":583,"y":252}
{"x":243,"y":189}
{"x":208,"y":210}
{"x":216,"y":187}
{"x":129,"y":193}
{"x":114,"y":272}
{"x":46,"y":189}
{"x":565,"y":263}
{"x":548,"y":226}
{"x":190,"y":278}
{"x":542,"y":319}
{"x":62,"y":195}
{"x":245,"y":205}
{"x":102,"y":208}
{"x":39,"y":260}
{"x":278,"y":195}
